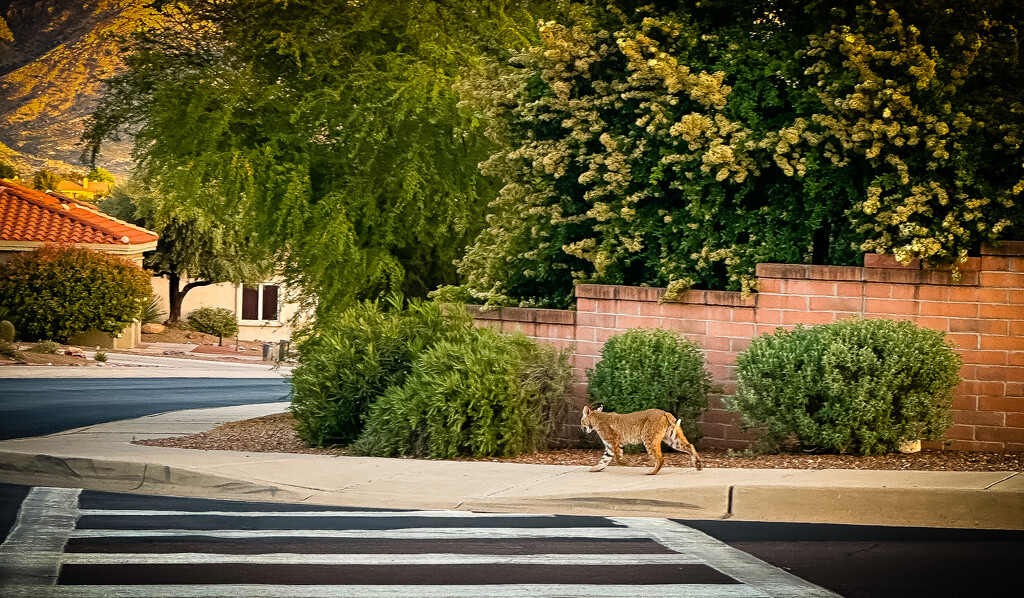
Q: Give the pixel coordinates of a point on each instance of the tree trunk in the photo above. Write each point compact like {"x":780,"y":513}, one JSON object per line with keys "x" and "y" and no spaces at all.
{"x":176,"y":295}
{"x":820,"y":244}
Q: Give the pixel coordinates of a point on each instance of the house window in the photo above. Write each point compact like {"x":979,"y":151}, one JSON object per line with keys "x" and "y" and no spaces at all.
{"x":260,"y":302}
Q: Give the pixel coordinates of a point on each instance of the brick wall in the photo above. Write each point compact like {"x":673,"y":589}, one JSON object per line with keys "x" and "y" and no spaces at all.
{"x":982,"y":314}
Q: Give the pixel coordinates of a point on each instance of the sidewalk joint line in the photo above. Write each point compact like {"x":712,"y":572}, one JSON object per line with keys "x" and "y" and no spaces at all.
{"x":996,"y":483}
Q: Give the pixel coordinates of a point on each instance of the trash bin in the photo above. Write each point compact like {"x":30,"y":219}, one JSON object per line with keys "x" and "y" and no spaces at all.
{"x":282,"y":354}
{"x":266,"y":351}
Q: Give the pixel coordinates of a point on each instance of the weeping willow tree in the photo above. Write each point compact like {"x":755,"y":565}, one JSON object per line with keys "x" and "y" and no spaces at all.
{"x":333,"y":125}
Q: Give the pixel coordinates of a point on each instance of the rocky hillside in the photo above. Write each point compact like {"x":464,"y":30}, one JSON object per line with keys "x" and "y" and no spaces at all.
{"x":53,"y":57}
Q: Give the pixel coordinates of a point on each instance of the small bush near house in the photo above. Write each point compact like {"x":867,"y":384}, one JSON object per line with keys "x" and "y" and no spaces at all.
{"x":218,"y":321}
{"x":9,"y":350}
{"x":7,"y":331}
{"x":57,"y":292}
{"x":854,"y":386}
{"x":652,"y":369}
{"x":100,"y":356}
{"x":45,"y":347}
{"x":153,"y":313}
{"x":486,"y":394}
{"x":348,"y":360}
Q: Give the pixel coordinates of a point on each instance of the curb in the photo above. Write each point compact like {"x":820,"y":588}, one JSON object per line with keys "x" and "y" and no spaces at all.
{"x":912,"y":507}
{"x":132,"y":477}
{"x":983,"y":508}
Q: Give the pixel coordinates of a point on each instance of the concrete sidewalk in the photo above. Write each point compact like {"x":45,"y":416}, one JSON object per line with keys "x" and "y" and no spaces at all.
{"x":102,"y":457}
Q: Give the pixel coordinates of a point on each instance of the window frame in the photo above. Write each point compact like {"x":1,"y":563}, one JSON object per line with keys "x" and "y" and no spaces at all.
{"x":239,"y":292}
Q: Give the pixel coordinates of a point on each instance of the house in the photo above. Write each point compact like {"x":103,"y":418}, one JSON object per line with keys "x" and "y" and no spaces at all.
{"x":263,"y":312}
{"x":30,"y":219}
{"x":88,"y":190}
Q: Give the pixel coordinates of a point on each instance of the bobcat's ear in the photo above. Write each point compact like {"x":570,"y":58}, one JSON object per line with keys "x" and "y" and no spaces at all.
{"x":601,"y":408}
{"x":586,"y":410}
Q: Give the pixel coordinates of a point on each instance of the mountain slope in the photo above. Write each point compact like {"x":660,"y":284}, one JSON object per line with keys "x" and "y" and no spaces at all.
{"x":53,"y":56}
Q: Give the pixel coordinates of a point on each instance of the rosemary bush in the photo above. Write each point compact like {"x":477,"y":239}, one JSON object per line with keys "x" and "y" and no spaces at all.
{"x":853,"y":386}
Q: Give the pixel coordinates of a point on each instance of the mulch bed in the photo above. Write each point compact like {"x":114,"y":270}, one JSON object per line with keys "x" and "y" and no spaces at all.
{"x":276,"y":434}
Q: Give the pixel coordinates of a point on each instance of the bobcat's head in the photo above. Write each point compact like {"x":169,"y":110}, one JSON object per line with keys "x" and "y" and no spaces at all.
{"x":586,"y":423}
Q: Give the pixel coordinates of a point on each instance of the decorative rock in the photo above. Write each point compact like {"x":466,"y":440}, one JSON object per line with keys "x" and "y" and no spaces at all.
{"x":74,"y":352}
{"x":153,"y":328}
{"x":910,"y":446}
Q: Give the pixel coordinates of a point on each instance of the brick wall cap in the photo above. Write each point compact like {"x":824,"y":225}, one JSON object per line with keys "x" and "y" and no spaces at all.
{"x":1009,"y":248}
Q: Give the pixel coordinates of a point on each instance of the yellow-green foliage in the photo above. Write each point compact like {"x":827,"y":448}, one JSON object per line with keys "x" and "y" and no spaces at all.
{"x":931,"y":122}
{"x":683,"y":147}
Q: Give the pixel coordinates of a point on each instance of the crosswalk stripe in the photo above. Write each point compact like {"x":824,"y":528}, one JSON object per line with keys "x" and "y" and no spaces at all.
{"x":375,"y":591}
{"x":735,"y":563}
{"x":413,"y":533}
{"x":346,"y":514}
{"x":31,"y":552}
{"x":184,"y":558}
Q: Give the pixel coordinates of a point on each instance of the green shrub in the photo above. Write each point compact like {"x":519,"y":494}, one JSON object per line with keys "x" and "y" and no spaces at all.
{"x":485,"y":394}
{"x":854,"y":386}
{"x":652,"y":369}
{"x":100,"y":356}
{"x":218,"y":321}
{"x":7,"y":332}
{"x":58,"y":292}
{"x":46,"y":347}
{"x":348,"y":360}
{"x":10,"y":351}
{"x":153,"y":313}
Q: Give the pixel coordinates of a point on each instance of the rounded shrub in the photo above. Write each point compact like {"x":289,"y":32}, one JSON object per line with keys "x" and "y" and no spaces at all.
{"x":56,"y":292}
{"x":486,"y":394}
{"x":218,"y":321}
{"x":348,"y":359}
{"x":652,"y":369}
{"x":853,"y":386}
{"x":7,"y":331}
{"x":9,"y":350}
{"x":46,"y":347}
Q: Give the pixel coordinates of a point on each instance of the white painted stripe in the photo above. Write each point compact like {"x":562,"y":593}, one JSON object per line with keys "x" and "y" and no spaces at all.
{"x":31,"y":553}
{"x":192,"y":558}
{"x":769,"y":580}
{"x":368,"y":514}
{"x":420,"y":591}
{"x":413,"y":533}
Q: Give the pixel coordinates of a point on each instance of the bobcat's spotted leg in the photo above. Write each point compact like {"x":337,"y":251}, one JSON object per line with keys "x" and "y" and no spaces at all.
{"x":677,"y":440}
{"x":652,"y":441}
{"x":654,"y":450}
{"x":606,"y":458}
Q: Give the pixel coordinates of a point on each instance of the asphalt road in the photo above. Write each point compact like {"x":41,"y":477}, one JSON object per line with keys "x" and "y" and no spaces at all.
{"x":862,"y":561}
{"x":39,"y":406}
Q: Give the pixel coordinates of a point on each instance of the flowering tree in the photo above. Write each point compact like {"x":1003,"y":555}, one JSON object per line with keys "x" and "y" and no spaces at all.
{"x":682,"y":146}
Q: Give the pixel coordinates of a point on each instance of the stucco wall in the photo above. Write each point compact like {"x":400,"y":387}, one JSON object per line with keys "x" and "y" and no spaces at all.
{"x":227,"y":295}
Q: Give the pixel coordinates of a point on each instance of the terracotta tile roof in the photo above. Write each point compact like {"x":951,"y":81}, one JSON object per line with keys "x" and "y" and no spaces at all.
{"x":30,"y":215}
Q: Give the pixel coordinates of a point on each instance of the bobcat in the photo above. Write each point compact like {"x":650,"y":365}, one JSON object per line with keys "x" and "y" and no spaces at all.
{"x":649,"y":427}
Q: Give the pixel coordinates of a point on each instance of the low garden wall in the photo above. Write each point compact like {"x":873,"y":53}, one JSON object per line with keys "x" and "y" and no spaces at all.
{"x":982,"y":313}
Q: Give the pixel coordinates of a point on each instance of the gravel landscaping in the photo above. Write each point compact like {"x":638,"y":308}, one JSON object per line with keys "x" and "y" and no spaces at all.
{"x":276,"y":434}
